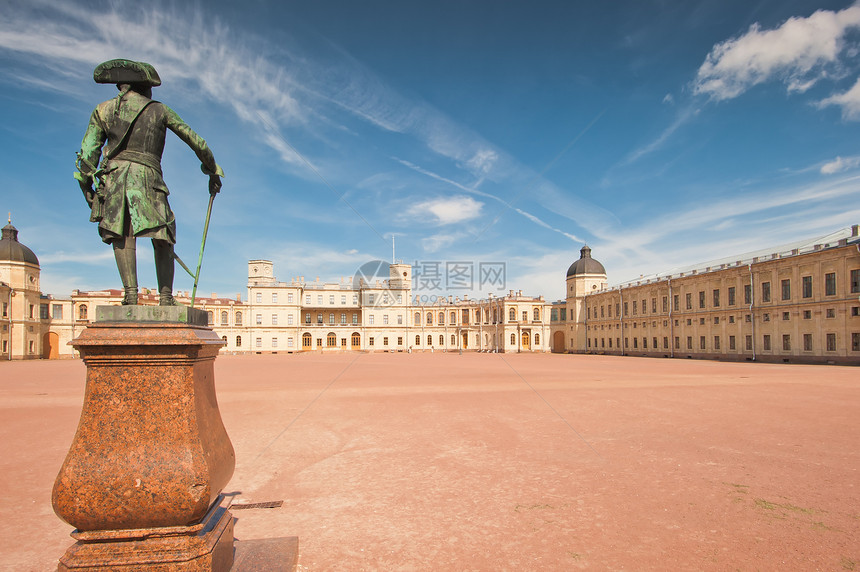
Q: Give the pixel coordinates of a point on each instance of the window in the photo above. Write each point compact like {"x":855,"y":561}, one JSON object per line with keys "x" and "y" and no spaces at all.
{"x":399,"y":319}
{"x":370,"y":341}
{"x":441,"y":340}
{"x":319,"y":342}
{"x":831,"y":342}
{"x":370,"y":319}
{"x":689,"y":300}
{"x":635,"y":306}
{"x":716,"y":342}
{"x":731,"y":342}
{"x":512,"y":315}
{"x":82,"y":311}
{"x":238,"y":341}
{"x":370,"y":298}
{"x":355,"y":339}
{"x":830,"y":312}
{"x":6,"y":310}
{"x":716,"y":298}
{"x":355,"y":318}
{"x":224,"y":318}
{"x":786,"y":289}
{"x":319,"y":319}
{"x":290,"y":319}
{"x":765,"y":317}
{"x":747,"y":294}
{"x":855,"y":281}
{"x":331,"y":318}
{"x":43,"y":311}
{"x":331,"y":298}
{"x":653,"y":305}
{"x":786,"y":316}
{"x":513,"y":339}
{"x":238,"y":318}
{"x":429,"y":318}
{"x":429,"y":340}
{"x":343,"y":317}
{"x":676,"y":303}
{"x":307,"y":299}
{"x":343,"y":299}
{"x":806,"y":286}
{"x":289,"y":342}
{"x":417,"y":340}
{"x":306,"y":340}
{"x":384,"y":341}
{"x":765,"y":291}
{"x":702,"y":299}
{"x":307,"y":318}
{"x":665,"y":342}
{"x":453,"y":318}
{"x":689,"y":342}
{"x":259,"y":298}
{"x":331,"y":340}
{"x":716,"y":319}
{"x":626,"y":313}
{"x":210,"y":317}
{"x":807,"y":342}
{"x":537,"y":339}
{"x":702,"y":343}
{"x":453,"y":340}
{"x":525,"y":316}
{"x":274,"y":297}
{"x":274,"y":342}
{"x":665,"y":304}
{"x":259,"y":319}
{"x":274,"y":319}
{"x":830,"y":284}
{"x":807,"y":314}
{"x":385,"y":319}
{"x":748,"y":342}
{"x":259,"y":342}
{"x":441,"y":318}
{"x":56,"y":312}
{"x":536,"y":314}
{"x":731,"y":295}
{"x":766,"y":342}
{"x":289,"y":297}
{"x":786,"y":342}
{"x":732,"y":319}
{"x":855,"y":342}
{"x":319,"y":301}
{"x":677,"y":342}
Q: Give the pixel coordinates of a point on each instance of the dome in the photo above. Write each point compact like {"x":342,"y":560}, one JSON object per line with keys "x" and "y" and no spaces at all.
{"x":13,"y":251}
{"x":585,"y":265}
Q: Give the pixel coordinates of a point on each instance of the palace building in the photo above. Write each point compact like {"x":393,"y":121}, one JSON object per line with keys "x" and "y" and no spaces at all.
{"x":796,"y":303}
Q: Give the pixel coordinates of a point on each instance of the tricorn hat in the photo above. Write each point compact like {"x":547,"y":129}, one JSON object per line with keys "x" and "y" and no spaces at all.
{"x":126,"y":71}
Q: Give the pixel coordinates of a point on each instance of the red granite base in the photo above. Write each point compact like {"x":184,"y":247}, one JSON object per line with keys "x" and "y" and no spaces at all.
{"x":205,"y":547}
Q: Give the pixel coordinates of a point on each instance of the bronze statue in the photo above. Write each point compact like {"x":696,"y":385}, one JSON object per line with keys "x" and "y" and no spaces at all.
{"x":129,"y":199}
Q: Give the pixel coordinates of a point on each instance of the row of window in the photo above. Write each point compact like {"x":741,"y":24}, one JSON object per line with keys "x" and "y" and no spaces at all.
{"x":371,"y":298}
{"x":806,"y":292}
{"x":830,"y":343}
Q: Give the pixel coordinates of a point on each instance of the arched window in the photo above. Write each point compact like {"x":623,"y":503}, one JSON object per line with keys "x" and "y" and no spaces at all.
{"x":224,"y":319}
{"x":210,"y":317}
{"x":417,"y":320}
{"x":356,"y":339}
{"x":331,"y":318}
{"x":224,"y":339}
{"x":429,"y":318}
{"x":306,"y":340}
{"x":495,"y":315}
{"x":82,"y":312}
{"x":537,"y":315}
{"x":331,"y":339}
{"x":513,"y":338}
{"x":453,"y":340}
{"x":537,"y":339}
{"x":417,"y":340}
{"x":441,"y":340}
{"x":238,"y":318}
{"x":441,"y":318}
{"x":453,"y":319}
{"x":512,"y":315}
{"x":477,"y":315}
{"x":429,"y":340}
{"x":238,"y":341}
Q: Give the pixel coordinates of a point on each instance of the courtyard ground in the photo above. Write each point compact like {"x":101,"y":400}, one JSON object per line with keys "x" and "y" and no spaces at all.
{"x":497,"y":461}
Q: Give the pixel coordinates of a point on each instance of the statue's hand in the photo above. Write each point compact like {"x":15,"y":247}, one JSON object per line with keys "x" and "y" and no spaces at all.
{"x":214,"y":184}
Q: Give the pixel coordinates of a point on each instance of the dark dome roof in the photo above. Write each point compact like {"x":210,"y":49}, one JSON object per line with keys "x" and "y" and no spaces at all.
{"x":586,"y":264}
{"x":12,"y":250}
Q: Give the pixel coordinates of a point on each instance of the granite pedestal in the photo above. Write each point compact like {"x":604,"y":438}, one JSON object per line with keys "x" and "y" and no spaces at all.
{"x":142,"y":480}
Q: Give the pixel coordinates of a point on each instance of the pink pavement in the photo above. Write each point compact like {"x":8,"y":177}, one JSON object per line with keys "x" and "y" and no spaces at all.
{"x":497,"y":461}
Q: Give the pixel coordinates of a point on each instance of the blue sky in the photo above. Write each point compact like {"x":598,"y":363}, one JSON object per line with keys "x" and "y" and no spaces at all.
{"x":661,"y":133}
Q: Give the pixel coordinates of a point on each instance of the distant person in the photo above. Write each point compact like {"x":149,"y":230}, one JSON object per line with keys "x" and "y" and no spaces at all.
{"x":129,"y":199}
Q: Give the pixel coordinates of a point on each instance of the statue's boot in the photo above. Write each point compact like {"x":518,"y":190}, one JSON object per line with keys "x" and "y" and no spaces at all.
{"x":164,"y":271}
{"x":125,"y":253}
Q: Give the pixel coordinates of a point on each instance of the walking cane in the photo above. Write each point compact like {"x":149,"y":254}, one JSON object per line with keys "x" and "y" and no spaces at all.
{"x":196,"y":275}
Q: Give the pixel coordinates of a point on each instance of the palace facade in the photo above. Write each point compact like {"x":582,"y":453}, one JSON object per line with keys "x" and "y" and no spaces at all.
{"x":797,"y":303}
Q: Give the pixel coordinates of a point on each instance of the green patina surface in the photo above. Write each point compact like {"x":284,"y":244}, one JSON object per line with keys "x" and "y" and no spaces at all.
{"x":155,"y":314}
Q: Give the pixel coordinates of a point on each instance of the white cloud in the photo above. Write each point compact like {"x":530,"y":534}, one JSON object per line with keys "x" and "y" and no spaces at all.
{"x":798,"y":52}
{"x":448,"y":210}
{"x":840,"y":164}
{"x":849,"y":101}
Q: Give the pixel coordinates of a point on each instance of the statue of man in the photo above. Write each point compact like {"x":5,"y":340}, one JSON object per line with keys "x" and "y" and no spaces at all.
{"x":129,"y":199}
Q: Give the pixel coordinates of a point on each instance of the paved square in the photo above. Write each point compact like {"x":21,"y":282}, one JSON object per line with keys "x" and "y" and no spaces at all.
{"x":497,"y":461}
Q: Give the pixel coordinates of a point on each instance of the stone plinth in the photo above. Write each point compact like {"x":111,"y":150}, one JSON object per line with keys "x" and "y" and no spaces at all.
{"x":150,"y":455}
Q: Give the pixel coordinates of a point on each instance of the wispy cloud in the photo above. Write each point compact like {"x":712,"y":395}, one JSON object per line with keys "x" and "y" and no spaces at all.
{"x":448,"y":210}
{"x":800,"y":52}
{"x":840,"y":164}
{"x":849,"y":101}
